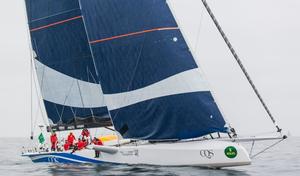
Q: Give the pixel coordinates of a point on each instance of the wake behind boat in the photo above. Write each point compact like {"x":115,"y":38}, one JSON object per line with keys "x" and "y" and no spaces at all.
{"x":126,"y":64}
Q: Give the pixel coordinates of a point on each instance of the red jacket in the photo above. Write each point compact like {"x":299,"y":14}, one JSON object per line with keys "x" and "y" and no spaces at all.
{"x":80,"y":144}
{"x":53,"y":138}
{"x":67,"y":146}
{"x":71,"y":139}
{"x":97,"y":142}
{"x":85,"y":133}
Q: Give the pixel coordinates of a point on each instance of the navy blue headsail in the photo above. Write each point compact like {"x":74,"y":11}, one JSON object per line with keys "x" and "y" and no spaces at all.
{"x":68,"y":80}
{"x":152,"y":85}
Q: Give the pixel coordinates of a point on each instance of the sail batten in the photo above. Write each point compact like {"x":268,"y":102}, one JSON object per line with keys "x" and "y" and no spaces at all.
{"x":55,"y":23}
{"x":132,"y":34}
{"x":148,"y":76}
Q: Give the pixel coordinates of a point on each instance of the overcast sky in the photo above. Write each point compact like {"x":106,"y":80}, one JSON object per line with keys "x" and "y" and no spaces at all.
{"x":265,"y":33}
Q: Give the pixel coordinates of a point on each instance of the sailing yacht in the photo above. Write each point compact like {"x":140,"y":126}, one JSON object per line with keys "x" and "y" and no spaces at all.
{"x":126,"y":64}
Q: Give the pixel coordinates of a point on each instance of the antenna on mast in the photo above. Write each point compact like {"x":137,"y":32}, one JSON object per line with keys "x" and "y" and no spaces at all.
{"x":240,"y":64}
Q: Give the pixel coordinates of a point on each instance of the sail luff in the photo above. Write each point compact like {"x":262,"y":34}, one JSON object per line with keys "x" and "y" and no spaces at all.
{"x":193,"y":52}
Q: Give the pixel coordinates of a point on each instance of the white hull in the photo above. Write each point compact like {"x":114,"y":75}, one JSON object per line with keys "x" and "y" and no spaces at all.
{"x":210,"y":153}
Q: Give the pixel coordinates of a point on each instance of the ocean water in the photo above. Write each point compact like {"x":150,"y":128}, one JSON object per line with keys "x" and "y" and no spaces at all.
{"x":283,"y":159}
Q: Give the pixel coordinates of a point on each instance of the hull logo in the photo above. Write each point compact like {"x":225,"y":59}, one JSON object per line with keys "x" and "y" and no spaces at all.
{"x":230,"y":152}
{"x":130,"y":153}
{"x":207,"y":153}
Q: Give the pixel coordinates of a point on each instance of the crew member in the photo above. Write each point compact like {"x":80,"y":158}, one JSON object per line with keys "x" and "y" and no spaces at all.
{"x":71,"y":138}
{"x":97,"y":141}
{"x":53,"y":140}
{"x":85,"y":134}
{"x":81,"y":144}
{"x":67,"y":145}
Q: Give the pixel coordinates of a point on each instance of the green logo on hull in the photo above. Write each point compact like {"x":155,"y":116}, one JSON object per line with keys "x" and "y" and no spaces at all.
{"x":230,"y":152}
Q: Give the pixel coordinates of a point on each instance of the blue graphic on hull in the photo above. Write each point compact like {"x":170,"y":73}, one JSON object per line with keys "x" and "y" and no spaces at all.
{"x":66,"y":158}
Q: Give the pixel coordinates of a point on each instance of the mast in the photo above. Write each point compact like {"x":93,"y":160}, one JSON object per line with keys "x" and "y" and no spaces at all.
{"x":94,"y":64}
{"x":237,"y":58}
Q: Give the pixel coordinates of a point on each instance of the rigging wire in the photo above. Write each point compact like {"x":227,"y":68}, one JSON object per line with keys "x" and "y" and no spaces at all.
{"x":199,"y":31}
{"x":94,"y":63}
{"x":32,"y":78}
{"x":35,"y":119}
{"x":194,"y":53}
{"x":240,"y":64}
{"x":36,"y":85}
{"x":31,"y":103}
{"x":30,"y":72}
{"x":267,"y":148}
{"x":262,"y":133}
{"x":39,"y":97}
{"x":64,"y":104}
{"x":252,"y":147}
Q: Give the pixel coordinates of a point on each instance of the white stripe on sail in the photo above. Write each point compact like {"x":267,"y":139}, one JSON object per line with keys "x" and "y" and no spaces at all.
{"x":65,"y":90}
{"x":185,"y":82}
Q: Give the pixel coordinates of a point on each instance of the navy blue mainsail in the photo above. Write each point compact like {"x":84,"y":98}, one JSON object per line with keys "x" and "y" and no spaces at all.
{"x":152,"y":85}
{"x":68,"y":80}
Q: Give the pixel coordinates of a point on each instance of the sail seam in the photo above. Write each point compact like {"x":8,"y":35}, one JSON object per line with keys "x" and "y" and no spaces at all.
{"x":133,"y":33}
{"x":60,"y":13}
{"x":56,"y":23}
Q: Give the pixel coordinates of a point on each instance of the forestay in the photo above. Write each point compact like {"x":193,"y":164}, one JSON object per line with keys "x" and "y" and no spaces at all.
{"x":67,"y":77}
{"x":152,"y":86}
